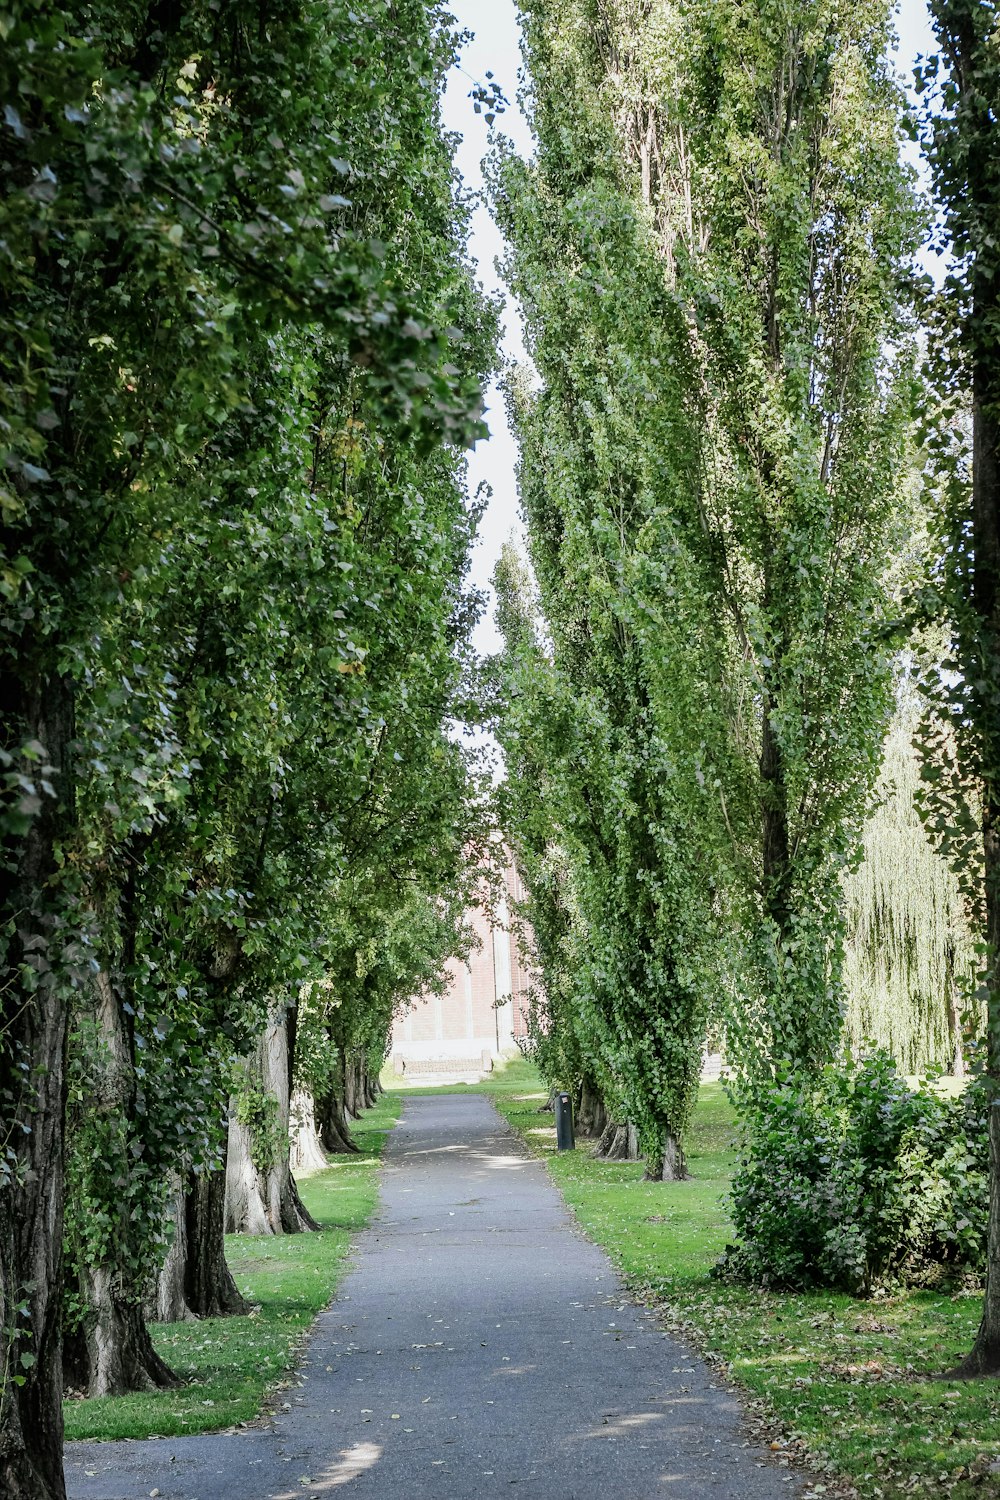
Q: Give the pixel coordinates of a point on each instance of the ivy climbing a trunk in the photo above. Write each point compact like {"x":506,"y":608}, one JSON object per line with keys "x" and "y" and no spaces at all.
{"x":118,"y":1197}
{"x":261,"y":1196}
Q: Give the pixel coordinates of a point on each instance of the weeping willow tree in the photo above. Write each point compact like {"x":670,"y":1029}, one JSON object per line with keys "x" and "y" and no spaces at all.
{"x":910,"y":962}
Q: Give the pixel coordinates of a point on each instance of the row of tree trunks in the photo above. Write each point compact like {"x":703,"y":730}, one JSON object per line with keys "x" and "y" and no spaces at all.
{"x":360,"y":1089}
{"x":620,"y":1142}
{"x":261,"y":1196}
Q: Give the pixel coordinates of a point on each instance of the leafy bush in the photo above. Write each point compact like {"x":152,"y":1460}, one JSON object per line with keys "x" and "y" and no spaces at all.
{"x":854,"y":1180}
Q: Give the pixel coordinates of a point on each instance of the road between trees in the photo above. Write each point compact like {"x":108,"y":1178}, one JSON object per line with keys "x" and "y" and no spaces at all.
{"x":481,"y":1345}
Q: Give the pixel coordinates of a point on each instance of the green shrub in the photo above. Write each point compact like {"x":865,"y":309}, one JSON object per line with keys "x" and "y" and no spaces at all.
{"x":854,"y":1180}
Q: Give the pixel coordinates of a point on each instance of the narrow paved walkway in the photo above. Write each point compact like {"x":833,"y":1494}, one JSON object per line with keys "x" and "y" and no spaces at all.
{"x":480,"y":1346}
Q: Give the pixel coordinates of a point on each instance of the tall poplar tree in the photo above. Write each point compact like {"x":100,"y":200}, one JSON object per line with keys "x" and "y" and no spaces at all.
{"x":709,"y":250}
{"x":802,"y":221}
{"x":961,"y":140}
{"x":626,"y":722}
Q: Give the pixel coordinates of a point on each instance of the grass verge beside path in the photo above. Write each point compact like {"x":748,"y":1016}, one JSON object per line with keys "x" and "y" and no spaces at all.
{"x":230,"y":1364}
{"x":844,"y":1383}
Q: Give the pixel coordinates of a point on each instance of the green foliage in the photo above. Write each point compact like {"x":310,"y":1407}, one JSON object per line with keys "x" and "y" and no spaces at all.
{"x":229,"y":1365}
{"x":854,"y":1180}
{"x":242,"y":353}
{"x":259,"y":1112}
{"x":707,"y":249}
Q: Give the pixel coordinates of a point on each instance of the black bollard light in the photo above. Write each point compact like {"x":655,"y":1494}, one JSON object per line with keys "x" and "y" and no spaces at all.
{"x":564,"y":1123}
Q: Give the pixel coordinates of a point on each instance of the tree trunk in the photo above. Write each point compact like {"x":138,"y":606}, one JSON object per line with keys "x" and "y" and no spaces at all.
{"x":786,"y":1043}
{"x":349,"y":1071}
{"x":168,"y":1301}
{"x":209,"y":1288}
{"x":246,"y":1212}
{"x":618,"y":1143}
{"x":954,"y":1016}
{"x":334,"y":1132}
{"x":261,"y":1196}
{"x":984,"y":1358}
{"x":306,"y":1149}
{"x":592,"y":1117}
{"x":967,"y":34}
{"x":670,"y":1165}
{"x":33,"y":1038}
{"x":120,"y":1352}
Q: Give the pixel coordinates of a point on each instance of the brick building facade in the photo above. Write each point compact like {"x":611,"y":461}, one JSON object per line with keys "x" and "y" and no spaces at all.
{"x":483,"y":1010}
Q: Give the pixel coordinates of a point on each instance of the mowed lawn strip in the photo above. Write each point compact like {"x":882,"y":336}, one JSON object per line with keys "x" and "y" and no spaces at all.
{"x":847,"y":1383}
{"x":229,"y":1365}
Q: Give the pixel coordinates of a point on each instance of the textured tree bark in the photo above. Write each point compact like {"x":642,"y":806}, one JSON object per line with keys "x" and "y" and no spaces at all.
{"x":967,"y":34}
{"x":984,"y":1358}
{"x":592,"y":1117}
{"x":246,"y":1212}
{"x":209,"y":1288}
{"x":775,"y":876}
{"x":334,"y":1132}
{"x":261,"y":1196}
{"x":31,"y":1209}
{"x":168,"y":1301}
{"x":120,"y":1352}
{"x":954,"y":1016}
{"x":670,"y":1166}
{"x":774,"y":824}
{"x":307,"y":1154}
{"x":33,"y":1034}
{"x":353,"y":1104}
{"x":618,"y":1143}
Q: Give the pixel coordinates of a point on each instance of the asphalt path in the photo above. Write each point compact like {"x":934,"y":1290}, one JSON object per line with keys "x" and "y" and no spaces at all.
{"x":479,"y":1346}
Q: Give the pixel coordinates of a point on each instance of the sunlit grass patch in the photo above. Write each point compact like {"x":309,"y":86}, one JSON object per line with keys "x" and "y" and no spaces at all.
{"x":230,"y":1364}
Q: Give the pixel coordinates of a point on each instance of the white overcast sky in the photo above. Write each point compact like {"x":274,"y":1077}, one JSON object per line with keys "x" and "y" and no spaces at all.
{"x":495,"y":48}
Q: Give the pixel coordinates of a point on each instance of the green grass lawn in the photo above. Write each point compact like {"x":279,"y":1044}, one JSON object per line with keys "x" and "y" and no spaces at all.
{"x":230,"y":1364}
{"x":848,"y":1384}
